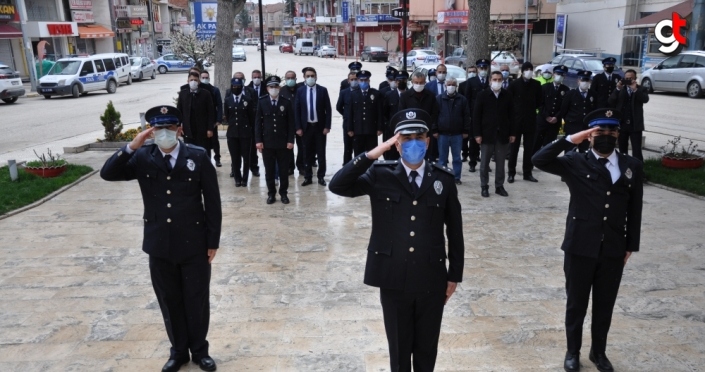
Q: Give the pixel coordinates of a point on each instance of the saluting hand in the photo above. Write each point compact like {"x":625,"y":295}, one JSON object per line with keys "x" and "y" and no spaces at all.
{"x":139,"y":139}
{"x":383,"y":147}
{"x":579,"y":137}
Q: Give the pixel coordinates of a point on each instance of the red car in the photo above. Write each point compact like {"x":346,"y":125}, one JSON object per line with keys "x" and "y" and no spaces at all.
{"x":286,"y":48}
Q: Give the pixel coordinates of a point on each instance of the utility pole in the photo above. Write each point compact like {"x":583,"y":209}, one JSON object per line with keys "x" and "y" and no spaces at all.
{"x":29,"y":54}
{"x":526,"y":31}
{"x":405,"y":20}
{"x":696,"y":36}
{"x":261,"y":37}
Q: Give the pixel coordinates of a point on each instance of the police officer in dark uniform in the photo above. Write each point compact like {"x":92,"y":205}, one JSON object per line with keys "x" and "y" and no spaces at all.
{"x":240,"y":116}
{"x":602,"y":228}
{"x":274,"y":135}
{"x":182,"y":221}
{"x":526,"y":99}
{"x":604,"y":83}
{"x":354,"y":67}
{"x":363,"y":116}
{"x":390,"y":107}
{"x":386,"y":85}
{"x":413,"y":202}
{"x":341,"y":106}
{"x":474,"y":86}
{"x":577,"y":103}
{"x":548,"y":121}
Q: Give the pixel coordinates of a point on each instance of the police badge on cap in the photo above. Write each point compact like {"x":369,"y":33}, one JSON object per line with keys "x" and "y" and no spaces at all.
{"x":411,"y":121}
{"x":163,"y":116}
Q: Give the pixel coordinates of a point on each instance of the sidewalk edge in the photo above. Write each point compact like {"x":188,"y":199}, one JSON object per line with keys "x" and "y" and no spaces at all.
{"x":677,"y":191}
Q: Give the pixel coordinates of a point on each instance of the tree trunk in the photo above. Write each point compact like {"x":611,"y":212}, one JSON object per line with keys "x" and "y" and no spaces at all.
{"x":478,"y":33}
{"x":224,"y":36}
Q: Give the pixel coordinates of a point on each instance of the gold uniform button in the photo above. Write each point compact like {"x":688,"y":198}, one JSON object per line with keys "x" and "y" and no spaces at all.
{"x":376,"y":252}
{"x":412,"y":233}
{"x":411,"y":249}
{"x":168,"y":192}
{"x":168,"y":220}
{"x":413,"y":218}
{"x":415,"y":202}
{"x":145,"y":220}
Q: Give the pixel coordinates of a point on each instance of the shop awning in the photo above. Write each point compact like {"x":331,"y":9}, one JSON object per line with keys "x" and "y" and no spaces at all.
{"x":684,"y":9}
{"x":94,"y":32}
{"x":9,"y":32}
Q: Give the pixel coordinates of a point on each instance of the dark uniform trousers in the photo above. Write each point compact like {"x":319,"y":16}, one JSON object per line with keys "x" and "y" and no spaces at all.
{"x":215,"y":144}
{"x":297,"y":161}
{"x":240,"y":149}
{"x":276,"y":159}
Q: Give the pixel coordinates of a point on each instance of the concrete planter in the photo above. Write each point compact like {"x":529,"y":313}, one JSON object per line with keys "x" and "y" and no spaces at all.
{"x":48,"y":172}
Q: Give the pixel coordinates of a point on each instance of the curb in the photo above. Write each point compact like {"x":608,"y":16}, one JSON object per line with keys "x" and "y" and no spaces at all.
{"x":677,"y":191}
{"x":48,"y":197}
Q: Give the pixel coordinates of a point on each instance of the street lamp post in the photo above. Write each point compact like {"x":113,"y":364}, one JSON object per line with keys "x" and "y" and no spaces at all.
{"x":261,"y":36}
{"x":526,"y":31}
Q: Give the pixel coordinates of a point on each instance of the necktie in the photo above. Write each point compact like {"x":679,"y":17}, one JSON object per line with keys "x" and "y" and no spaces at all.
{"x":482,"y":81}
{"x":583,"y":94}
{"x":274,"y":103}
{"x":257,"y":89}
{"x":167,"y":160}
{"x":603,"y":161}
{"x":629,"y":92}
{"x":310,"y":104}
{"x":414,"y":186}
{"x":504,"y":85}
{"x":237,"y":100}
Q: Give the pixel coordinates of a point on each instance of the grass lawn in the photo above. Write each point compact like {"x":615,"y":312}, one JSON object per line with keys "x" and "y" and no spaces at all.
{"x":30,"y":188}
{"x":691,"y":180}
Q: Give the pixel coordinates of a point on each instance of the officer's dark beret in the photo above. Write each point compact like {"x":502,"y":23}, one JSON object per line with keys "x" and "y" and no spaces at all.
{"x":482,"y":62}
{"x":273,"y":80}
{"x":432,"y":72}
{"x":163,"y":116}
{"x":527,"y":66}
{"x":604,"y":117}
{"x":402,"y":75}
{"x":609,"y":61}
{"x":354,"y":66}
{"x":411,"y":121}
{"x":236,"y":81}
{"x":560,"y":69}
{"x":584,"y":74}
{"x":364,"y":74}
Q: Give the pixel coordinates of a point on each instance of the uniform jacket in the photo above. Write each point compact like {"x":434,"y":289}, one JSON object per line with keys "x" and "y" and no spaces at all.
{"x":240,"y":116}
{"x":343,"y":102}
{"x":493,"y":118}
{"x":603,"y":218}
{"x":424,"y":100}
{"x":383,"y":85}
{"x":274,"y":126}
{"x":217,"y":101}
{"x":391,"y":107}
{"x":453,"y":115}
{"x":552,"y":101}
{"x":364,"y":113}
{"x":602,"y":88}
{"x":383,"y":90}
{"x":527,"y":98}
{"x":574,"y":108}
{"x":473,"y":88}
{"x":204,"y":115}
{"x":182,"y":212}
{"x":620,"y":98}
{"x":406,"y":250}
{"x":323,"y":108}
{"x":344,"y":84}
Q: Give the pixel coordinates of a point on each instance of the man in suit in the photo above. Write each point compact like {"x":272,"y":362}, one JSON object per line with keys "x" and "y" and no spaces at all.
{"x":475,"y":85}
{"x":182,"y":222}
{"x":602,"y":228}
{"x":604,"y":83}
{"x":218,"y":103}
{"x":353,"y":67}
{"x":438,"y":86}
{"x":313,"y":121}
{"x":506,"y":77}
{"x":196,"y":106}
{"x":256,"y":87}
{"x":240,"y":117}
{"x":254,"y":160}
{"x":527,"y":98}
{"x":548,"y":121}
{"x":341,"y":106}
{"x":494,"y":127}
{"x":288,"y":91}
{"x":576,"y":104}
{"x":629,"y":98}
{"x":470,"y":73}
{"x":363,"y":116}
{"x":406,"y":230}
{"x":421,"y":98}
{"x":391,"y":107}
{"x":274,"y":136}
{"x":386,"y":85}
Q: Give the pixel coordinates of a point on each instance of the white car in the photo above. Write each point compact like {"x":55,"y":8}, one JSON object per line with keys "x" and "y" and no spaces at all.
{"x":453,"y":71}
{"x":326,"y":51}
{"x":499,"y":59}
{"x":261,"y":46}
{"x":684,"y":73}
{"x":142,"y":67}
{"x":419,"y":57}
{"x":556,"y":61}
{"x":11,"y":86}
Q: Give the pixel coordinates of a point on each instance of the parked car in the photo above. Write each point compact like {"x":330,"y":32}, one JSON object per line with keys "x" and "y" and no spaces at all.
{"x":457,"y":58}
{"x":501,"y":58}
{"x":172,"y":62}
{"x":237,"y":42}
{"x":11,"y":87}
{"x":327,"y":51}
{"x":141,"y":67}
{"x":261,"y":46}
{"x":370,"y":53}
{"x":120,"y":62}
{"x":418,"y":57}
{"x":254,"y":41}
{"x":593,"y":64}
{"x":80,"y":75}
{"x":286,"y":48}
{"x":246,"y":41}
{"x":269,"y":42}
{"x":303,"y":46}
{"x":239,"y":54}
{"x":684,"y":73}
{"x":453,"y":71}
{"x":558,"y":60}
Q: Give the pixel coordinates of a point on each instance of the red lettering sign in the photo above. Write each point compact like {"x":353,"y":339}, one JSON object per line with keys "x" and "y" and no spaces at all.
{"x":136,"y":22}
{"x":60,"y":29}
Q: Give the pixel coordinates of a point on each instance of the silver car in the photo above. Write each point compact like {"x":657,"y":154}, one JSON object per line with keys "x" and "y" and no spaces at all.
{"x":684,"y":73}
{"x":142,"y":67}
{"x":326,"y":51}
{"x":453,"y":71}
{"x":239,"y":54}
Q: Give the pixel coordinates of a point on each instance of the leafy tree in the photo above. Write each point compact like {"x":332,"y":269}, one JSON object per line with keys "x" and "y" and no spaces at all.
{"x":192,"y":47}
{"x":502,"y":37}
{"x":290,"y":8}
{"x":243,"y":19}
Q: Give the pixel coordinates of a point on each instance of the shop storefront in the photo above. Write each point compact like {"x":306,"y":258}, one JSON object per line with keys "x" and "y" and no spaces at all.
{"x":92,"y":37}
{"x":58,"y":36}
{"x":134,"y":35}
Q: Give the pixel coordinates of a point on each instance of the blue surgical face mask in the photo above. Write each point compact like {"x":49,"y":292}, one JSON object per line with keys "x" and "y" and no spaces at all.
{"x":364,"y":85}
{"x":505,"y":74}
{"x":354,"y":84}
{"x":413,"y":151}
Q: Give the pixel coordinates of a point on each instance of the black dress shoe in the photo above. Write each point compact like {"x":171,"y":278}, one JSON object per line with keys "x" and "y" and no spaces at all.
{"x":530,"y":178}
{"x":601,"y":362}
{"x":232,"y":174}
{"x":285,"y":199}
{"x":510,"y":178}
{"x":255,"y":173}
{"x":238,"y":183}
{"x":572,"y":362}
{"x":271,"y":199}
{"x":485,"y":192}
{"x":218,"y":164}
{"x":501,"y":191}
{"x":321,"y":182}
{"x":206,"y":364}
{"x":472,"y":169}
{"x":458,"y":182}
{"x":173,"y":365}
{"x":307,"y":182}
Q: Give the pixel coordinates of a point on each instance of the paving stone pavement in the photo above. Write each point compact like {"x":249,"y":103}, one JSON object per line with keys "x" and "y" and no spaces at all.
{"x":287,"y":292}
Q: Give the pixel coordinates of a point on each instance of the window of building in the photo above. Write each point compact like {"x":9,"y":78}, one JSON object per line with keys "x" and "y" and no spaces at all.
{"x":654,"y":44}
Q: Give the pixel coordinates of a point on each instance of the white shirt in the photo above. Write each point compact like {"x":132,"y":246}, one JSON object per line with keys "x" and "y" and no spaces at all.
{"x":441,"y":87}
{"x":419,"y":171}
{"x":174,"y":153}
{"x":308,"y":104}
{"x":612,"y":164}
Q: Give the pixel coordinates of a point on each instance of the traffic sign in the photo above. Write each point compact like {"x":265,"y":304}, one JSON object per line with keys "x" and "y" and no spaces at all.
{"x":400,"y":13}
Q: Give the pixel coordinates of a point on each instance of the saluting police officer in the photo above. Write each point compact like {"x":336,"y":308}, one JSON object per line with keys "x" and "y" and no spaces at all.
{"x":548,"y":121}
{"x":604,"y":83}
{"x":413,"y":202}
{"x":240,"y":116}
{"x":391,"y":107}
{"x":602,"y":228}
{"x":182,"y":221}
{"x":576,"y":104}
{"x":354,"y":67}
{"x":274,"y":135}
{"x":363,"y":116}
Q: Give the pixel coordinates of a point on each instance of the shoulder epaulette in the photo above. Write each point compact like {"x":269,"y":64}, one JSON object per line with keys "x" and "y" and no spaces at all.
{"x":445,"y":169}
{"x":386,"y":162}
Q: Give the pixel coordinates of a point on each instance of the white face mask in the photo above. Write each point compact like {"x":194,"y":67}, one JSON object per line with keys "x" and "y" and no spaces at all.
{"x":274,"y":92}
{"x":451,"y":89}
{"x":310,"y":81}
{"x":528,"y":74}
{"x":193,"y":84}
{"x":257,"y":81}
{"x":165,"y":138}
{"x":483,"y":73}
{"x":205,"y":81}
{"x":558,"y":78}
{"x":496,"y":85}
{"x":441,"y":77}
{"x":547,"y":75}
{"x":419,"y":87}
{"x":584,"y":85}
{"x":471,"y":75}
{"x":392,"y":85}
{"x":431,"y":78}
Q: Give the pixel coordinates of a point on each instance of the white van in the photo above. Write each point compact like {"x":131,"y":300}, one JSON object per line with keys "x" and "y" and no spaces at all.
{"x":303,"y":46}
{"x":122,"y":65}
{"x":78,"y":76}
